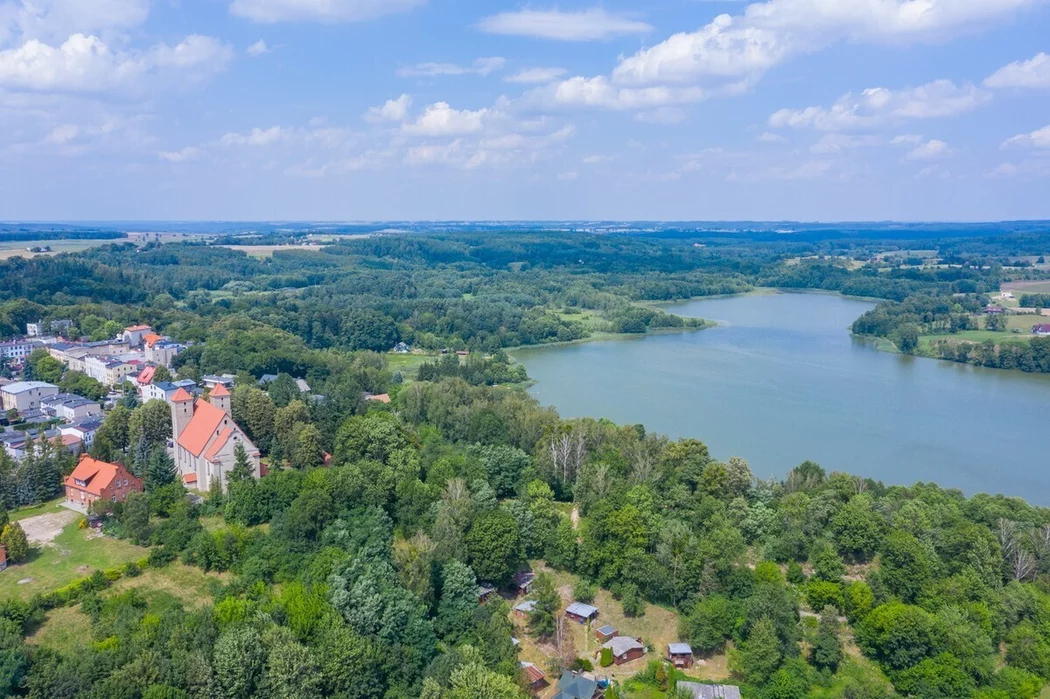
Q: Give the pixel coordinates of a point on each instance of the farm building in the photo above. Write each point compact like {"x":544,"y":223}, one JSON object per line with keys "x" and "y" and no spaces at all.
{"x":1041,"y":330}
{"x":605,"y":633}
{"x":710,"y":691}
{"x":523,"y":581}
{"x":534,"y":676}
{"x":485,"y":591}
{"x":575,"y":685}
{"x":680,"y":654}
{"x":525,"y":608}
{"x":625,"y":649}
{"x":578,"y":611}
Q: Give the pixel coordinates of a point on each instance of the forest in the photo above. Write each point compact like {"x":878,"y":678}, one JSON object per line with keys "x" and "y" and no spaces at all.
{"x":352,"y":568}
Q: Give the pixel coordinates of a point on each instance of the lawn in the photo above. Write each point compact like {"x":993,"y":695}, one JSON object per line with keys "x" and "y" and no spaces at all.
{"x":41,"y":509}
{"x":263,"y":251}
{"x":973,"y":336}
{"x":408,"y":364}
{"x":74,"y":554}
{"x":67,"y":630}
{"x":191,"y":586}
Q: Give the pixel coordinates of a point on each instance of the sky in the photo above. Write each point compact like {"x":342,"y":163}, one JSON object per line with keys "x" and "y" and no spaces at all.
{"x":358,"y":110}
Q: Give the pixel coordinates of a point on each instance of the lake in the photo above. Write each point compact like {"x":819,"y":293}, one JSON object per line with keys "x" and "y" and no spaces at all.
{"x":782,"y":380}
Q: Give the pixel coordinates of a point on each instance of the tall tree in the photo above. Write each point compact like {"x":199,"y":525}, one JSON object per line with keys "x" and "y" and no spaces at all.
{"x":14,"y":540}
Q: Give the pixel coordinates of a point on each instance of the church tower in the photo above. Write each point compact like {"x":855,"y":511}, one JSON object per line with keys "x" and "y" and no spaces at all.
{"x":181,"y":412}
{"x":220,"y":398}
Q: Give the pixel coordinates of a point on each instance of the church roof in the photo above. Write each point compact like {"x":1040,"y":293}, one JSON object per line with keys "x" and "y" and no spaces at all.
{"x":202,"y":427}
{"x":219,"y":391}
{"x":218,"y":444}
{"x":181,"y":396}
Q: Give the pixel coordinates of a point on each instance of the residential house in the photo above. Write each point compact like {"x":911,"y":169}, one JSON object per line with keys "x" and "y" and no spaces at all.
{"x":485,"y":591}
{"x":523,"y":581}
{"x":107,"y":348}
{"x":605,"y":633}
{"x":710,"y":691}
{"x":26,"y":395}
{"x":206,"y":438}
{"x":302,"y":385}
{"x":84,"y":430}
{"x":161,"y":390}
{"x":70,"y":407}
{"x":577,"y":685}
{"x":380,"y":398}
{"x":18,"y":444}
{"x":18,"y":350}
{"x":111,"y":371}
{"x":3,"y":557}
{"x":534,"y":677}
{"x":136,"y":334}
{"x":267,"y":379}
{"x":680,"y":654}
{"x":581,"y":612}
{"x":993,"y":310}
{"x":34,"y":417}
{"x":525,"y":608}
{"x":145,"y":377}
{"x":625,"y":649}
{"x":95,"y":480}
{"x":71,"y":355}
{"x":1041,"y":330}
{"x":402,"y":348}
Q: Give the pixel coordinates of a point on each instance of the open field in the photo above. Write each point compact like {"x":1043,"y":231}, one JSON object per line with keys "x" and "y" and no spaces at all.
{"x":1027,"y":287}
{"x":264,"y":251}
{"x":17,"y":248}
{"x":190,"y":585}
{"x":974,"y":336}
{"x":41,"y":509}
{"x":74,"y":554}
{"x":408,"y":364}
{"x":67,"y":629}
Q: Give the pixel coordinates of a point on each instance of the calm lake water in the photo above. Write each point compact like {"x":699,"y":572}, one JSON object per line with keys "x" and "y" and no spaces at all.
{"x":782,"y":381}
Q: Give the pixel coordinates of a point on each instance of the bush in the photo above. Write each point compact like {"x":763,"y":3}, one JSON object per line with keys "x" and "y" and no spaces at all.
{"x":633,"y":604}
{"x":132,"y":570}
{"x":582,"y":664}
{"x":795,"y":574}
{"x":160,"y":557}
{"x":820,"y":594}
{"x":584,"y":591}
{"x":606,"y":658}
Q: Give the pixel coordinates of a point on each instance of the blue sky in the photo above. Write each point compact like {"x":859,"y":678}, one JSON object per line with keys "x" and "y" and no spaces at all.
{"x":442,"y":109}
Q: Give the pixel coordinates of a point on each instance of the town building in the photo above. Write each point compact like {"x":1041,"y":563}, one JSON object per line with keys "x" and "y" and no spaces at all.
{"x":577,"y":685}
{"x":111,"y":371}
{"x":135,"y":334}
{"x":54,"y":327}
{"x":625,"y":649}
{"x":605,"y":633}
{"x":84,"y":430}
{"x":206,"y":438}
{"x":211,"y":381}
{"x":70,"y":407}
{"x":18,"y":350}
{"x":161,"y":351}
{"x":161,"y":390}
{"x":1041,"y":330}
{"x":26,"y":395}
{"x":95,"y":480}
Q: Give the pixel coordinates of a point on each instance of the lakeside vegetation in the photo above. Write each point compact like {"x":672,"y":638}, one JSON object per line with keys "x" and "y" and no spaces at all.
{"x":356,"y":576}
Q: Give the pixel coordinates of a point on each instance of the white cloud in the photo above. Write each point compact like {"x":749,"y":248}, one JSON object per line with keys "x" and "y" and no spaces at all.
{"x":906,"y":139}
{"x":587,"y":25}
{"x":429,"y":153}
{"x":1034,"y":72}
{"x":61,"y":135}
{"x":56,"y":20}
{"x":600,"y":92}
{"x":598,"y":159}
{"x":1039,"y":138}
{"x":329,"y":11}
{"x":941,"y":98}
{"x":767,"y":33}
{"x":533,"y":76}
{"x":768,"y":137}
{"x":442,"y":120}
{"x":931,"y":150}
{"x":256,"y":137}
{"x":87,"y":64}
{"x":391,"y":110}
{"x":836,"y":142}
{"x":257,"y":49}
{"x":569,"y":176}
{"x":179,"y":156}
{"x":481,"y":66}
{"x":662,"y":115}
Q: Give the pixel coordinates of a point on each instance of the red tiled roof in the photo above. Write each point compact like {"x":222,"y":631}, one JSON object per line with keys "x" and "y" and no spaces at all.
{"x":382,"y":398}
{"x":218,"y":444}
{"x":202,"y":427}
{"x":219,"y":391}
{"x":137,"y":328}
{"x":534,"y":673}
{"x":189,"y":478}
{"x":152,"y":339}
{"x":181,"y":396}
{"x":69,"y":440}
{"x":147,"y":375}
{"x":96,"y":475}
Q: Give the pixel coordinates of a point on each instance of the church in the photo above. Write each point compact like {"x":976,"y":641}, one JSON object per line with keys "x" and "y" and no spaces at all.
{"x":206,"y":438}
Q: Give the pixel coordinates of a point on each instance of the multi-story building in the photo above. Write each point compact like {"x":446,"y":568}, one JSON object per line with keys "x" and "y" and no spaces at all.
{"x":26,"y":395}
{"x":18,"y":350}
{"x":135,"y":334}
{"x":70,"y":407}
{"x":162,"y":351}
{"x":95,"y":480}
{"x":84,"y":430}
{"x":110,"y":371}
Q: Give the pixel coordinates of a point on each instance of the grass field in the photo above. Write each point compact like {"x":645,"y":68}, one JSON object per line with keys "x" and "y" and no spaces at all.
{"x":1027,"y":287}
{"x":408,"y":364}
{"x":191,"y":586}
{"x":264,"y":251}
{"x":66,"y":630}
{"x":41,"y":509}
{"x":17,"y":248}
{"x":74,"y":554}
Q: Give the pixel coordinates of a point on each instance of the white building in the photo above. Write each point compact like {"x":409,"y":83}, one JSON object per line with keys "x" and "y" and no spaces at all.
{"x":110,"y":371}
{"x":84,"y":430}
{"x":162,"y":351}
{"x":70,"y":407}
{"x":135,"y":334}
{"x":159,"y":390}
{"x":18,"y":350}
{"x":206,"y":438}
{"x":26,"y":395}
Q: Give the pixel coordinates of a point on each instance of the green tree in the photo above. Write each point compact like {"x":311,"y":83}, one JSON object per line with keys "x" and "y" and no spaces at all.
{"x":543,"y":618}
{"x":857,"y":529}
{"x":308,"y":451}
{"x":149,"y":426}
{"x":161,"y":374}
{"x":243,"y":468}
{"x":15,"y":542}
{"x":256,"y":413}
{"x":905,"y":565}
{"x":493,"y":546}
{"x":827,"y":648}
{"x":81,"y":384}
{"x":898,"y":635}
{"x":292,"y":672}
{"x":827,"y":565}
{"x":941,"y":677}
{"x":41,"y":366}
{"x":135,"y":518}
{"x":160,"y":471}
{"x":112,"y":438}
{"x":711,"y":623}
{"x":374,"y":436}
{"x":239,"y":660}
{"x":459,"y":599}
{"x":759,"y":657}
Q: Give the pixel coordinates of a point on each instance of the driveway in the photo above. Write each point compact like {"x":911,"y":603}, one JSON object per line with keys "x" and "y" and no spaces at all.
{"x":43,"y":529}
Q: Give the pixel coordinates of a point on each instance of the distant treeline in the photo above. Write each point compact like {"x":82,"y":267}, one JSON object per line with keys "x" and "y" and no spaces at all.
{"x":9,"y":235}
{"x":1035,"y":301}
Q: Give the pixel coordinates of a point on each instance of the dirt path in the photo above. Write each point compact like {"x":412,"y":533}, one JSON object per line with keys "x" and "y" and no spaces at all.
{"x":43,"y":529}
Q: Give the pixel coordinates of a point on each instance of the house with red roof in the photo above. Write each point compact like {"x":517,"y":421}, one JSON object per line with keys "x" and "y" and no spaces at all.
{"x":95,"y":480}
{"x":135,"y":334}
{"x":206,"y":438}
